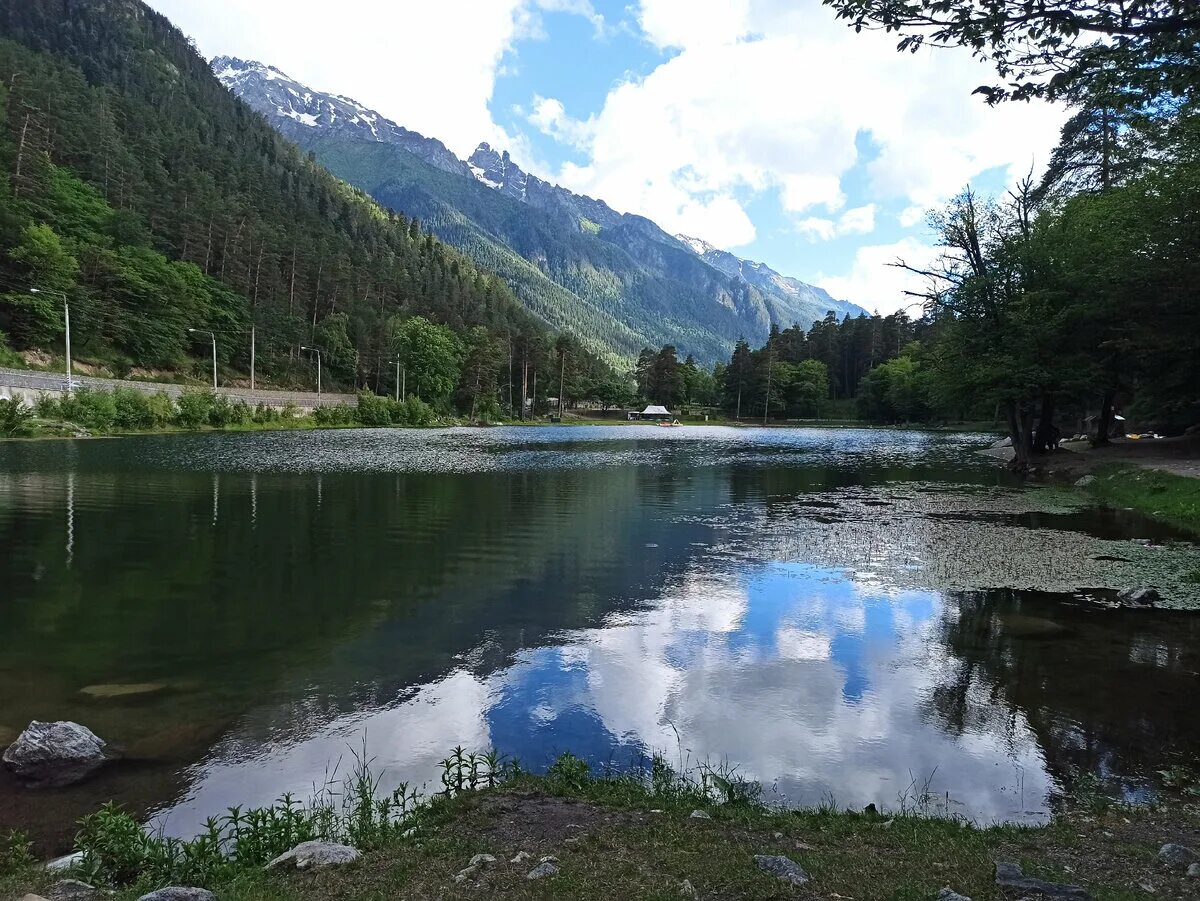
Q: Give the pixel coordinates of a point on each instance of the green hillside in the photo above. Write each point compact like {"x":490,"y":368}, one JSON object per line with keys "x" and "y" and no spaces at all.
{"x":137,"y":185}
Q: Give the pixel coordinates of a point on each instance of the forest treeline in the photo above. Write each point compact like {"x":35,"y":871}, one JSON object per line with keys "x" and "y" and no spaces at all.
{"x":1077,"y":292}
{"x":139,"y":190}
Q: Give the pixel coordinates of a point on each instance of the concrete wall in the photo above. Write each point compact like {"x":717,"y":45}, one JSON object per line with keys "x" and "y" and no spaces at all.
{"x":28,"y":386}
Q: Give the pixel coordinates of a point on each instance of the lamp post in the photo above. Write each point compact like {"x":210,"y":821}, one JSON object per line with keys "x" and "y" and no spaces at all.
{"x":66,"y":323}
{"x":317,"y":351}
{"x":200,"y":331}
{"x":399,"y":383}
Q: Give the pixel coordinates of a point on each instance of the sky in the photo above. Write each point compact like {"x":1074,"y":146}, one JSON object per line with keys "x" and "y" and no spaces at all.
{"x":765,"y":127}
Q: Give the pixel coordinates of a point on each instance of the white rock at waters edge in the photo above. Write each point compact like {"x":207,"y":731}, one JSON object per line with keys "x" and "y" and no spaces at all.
{"x":315,"y":856}
{"x":179,"y":893}
{"x":55,"y":754}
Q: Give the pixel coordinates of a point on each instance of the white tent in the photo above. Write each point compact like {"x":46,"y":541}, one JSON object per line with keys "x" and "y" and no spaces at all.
{"x":656,"y":411}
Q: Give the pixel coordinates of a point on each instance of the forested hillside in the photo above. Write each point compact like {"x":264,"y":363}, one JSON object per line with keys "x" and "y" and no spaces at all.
{"x":140,"y":188}
{"x":618,"y":281}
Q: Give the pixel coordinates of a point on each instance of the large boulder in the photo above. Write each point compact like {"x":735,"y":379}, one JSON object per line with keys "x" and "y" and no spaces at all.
{"x":1180,"y":856}
{"x":56,"y":754}
{"x":314,"y":856}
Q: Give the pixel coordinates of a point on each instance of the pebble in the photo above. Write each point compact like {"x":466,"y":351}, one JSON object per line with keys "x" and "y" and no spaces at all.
{"x":521,"y":857}
{"x":948,"y":894}
{"x":542,"y":870}
{"x":687,"y":890}
{"x":700,"y":815}
{"x":482,"y":860}
{"x":179,"y":893}
{"x":1194,"y":871}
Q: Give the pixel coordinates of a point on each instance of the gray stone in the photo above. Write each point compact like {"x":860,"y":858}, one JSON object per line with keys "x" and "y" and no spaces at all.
{"x":64,"y":863}
{"x":179,"y":893}
{"x":1085,"y":481}
{"x":542,"y":870}
{"x":521,"y":857}
{"x":74,"y":890}
{"x":1177,"y":855}
{"x":481,"y":860}
{"x":1010,"y":878}
{"x":948,"y":894}
{"x":55,"y":754}
{"x":32,"y":897}
{"x":782,"y":868}
{"x":700,"y":815}
{"x":315,"y":856}
{"x":687,"y":890}
{"x":1194,"y":871}
{"x":1144,"y":597}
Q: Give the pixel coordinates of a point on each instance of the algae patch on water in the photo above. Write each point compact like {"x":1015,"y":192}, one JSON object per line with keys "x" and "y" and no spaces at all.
{"x":960,"y":538}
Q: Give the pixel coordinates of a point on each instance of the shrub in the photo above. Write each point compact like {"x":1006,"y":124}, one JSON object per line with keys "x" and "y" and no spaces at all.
{"x":194,"y":408}
{"x":16,"y":852}
{"x":224,"y":412}
{"x":374,"y":411}
{"x":413,"y":411}
{"x":333,"y":416}
{"x":47,"y":407}
{"x":264,"y":414}
{"x":14,"y":418}
{"x":91,"y":408}
{"x":134,"y":411}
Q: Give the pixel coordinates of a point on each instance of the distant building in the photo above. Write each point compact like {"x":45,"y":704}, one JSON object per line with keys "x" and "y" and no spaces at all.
{"x":654,"y":413}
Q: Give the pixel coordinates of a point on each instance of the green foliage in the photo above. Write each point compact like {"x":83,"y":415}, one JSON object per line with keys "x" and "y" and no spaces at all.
{"x":239,"y":229}
{"x":117,"y":851}
{"x":194,"y":408}
{"x":374,"y":411}
{"x":96,"y":410}
{"x":335,"y":415}
{"x":8,"y":357}
{"x":897,"y":391}
{"x":14,"y":418}
{"x":431,"y":355}
{"x":16,"y":852}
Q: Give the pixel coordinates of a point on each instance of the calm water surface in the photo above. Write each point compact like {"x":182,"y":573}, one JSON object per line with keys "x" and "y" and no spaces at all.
{"x":840,"y":613}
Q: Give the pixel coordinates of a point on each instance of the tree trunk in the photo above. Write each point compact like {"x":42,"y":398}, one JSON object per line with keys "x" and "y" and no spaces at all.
{"x":1104,"y":427}
{"x":1018,"y":429}
{"x":1046,"y":438}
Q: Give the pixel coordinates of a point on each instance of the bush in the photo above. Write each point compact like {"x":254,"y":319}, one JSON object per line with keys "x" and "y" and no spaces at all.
{"x":194,"y":408}
{"x":333,"y":416}
{"x":138,"y":412}
{"x":413,"y":411}
{"x":225,"y":412}
{"x":375,"y":411}
{"x":14,"y":418}
{"x":264,"y":414}
{"x":47,"y":407}
{"x":97,"y":410}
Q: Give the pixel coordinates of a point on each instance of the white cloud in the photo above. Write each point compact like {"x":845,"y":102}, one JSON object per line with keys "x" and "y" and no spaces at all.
{"x":873,"y":282}
{"x":430,"y":66}
{"x":911,"y":215}
{"x":767,"y":95}
{"x":857,"y":221}
{"x":550,"y":117}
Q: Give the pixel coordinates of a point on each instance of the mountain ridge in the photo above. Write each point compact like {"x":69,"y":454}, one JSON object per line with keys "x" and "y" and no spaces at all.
{"x":630,"y":281}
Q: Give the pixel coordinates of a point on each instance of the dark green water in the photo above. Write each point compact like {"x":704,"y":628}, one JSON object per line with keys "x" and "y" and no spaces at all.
{"x":839,"y":612}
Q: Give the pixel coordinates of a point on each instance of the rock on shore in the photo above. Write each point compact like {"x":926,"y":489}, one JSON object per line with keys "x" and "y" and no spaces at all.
{"x":56,"y":754}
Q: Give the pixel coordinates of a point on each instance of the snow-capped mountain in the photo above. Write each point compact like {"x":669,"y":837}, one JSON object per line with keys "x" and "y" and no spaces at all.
{"x":573,"y":259}
{"x":295,"y":110}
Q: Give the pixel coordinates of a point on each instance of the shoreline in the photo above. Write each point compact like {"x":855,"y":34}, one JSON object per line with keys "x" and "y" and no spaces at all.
{"x":639,"y":837}
{"x":1157,"y":477}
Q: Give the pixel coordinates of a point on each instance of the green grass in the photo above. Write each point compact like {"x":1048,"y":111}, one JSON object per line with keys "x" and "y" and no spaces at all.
{"x":627,"y":835}
{"x":1175,"y":499}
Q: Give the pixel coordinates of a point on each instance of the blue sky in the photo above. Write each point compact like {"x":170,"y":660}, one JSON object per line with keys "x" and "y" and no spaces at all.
{"x":765,"y":127}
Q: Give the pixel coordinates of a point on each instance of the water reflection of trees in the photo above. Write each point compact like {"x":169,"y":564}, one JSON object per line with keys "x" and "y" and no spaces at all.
{"x":1106,"y":692}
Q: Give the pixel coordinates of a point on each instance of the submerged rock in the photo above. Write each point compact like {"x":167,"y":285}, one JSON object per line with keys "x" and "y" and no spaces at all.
{"x":948,"y":894}
{"x":1010,"y":878}
{"x":1178,"y":856}
{"x":55,"y":754}
{"x":1084,"y":481}
{"x":542,"y":870}
{"x":782,"y":868}
{"x":1142,"y":597}
{"x":7,"y":736}
{"x":315,"y":856}
{"x":117,"y":690}
{"x":179,"y":893}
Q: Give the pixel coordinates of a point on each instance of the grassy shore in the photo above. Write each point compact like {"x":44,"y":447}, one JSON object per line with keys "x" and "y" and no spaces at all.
{"x":1173,"y":498}
{"x":625,"y":837}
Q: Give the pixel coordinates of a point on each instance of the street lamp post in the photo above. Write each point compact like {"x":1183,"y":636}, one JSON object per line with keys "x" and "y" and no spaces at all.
{"x":399,"y":384}
{"x":66,"y":323}
{"x":317,"y":351}
{"x":200,"y":331}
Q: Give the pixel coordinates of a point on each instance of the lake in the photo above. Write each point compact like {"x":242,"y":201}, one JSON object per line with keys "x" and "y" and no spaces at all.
{"x":856,"y":615}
